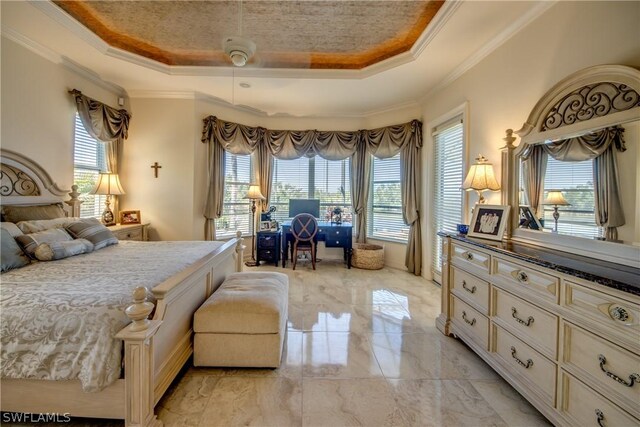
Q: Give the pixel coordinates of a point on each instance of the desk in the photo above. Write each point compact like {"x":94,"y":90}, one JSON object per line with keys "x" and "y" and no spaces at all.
{"x":333,"y":236}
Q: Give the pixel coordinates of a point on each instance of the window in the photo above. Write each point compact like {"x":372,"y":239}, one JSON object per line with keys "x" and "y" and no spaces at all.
{"x":311,"y":178}
{"x":385,"y":218}
{"x":89,"y":160}
{"x":447,"y":179}
{"x":575,"y":180}
{"x":236,"y":212}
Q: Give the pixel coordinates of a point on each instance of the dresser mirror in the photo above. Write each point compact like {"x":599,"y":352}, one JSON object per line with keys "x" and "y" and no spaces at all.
{"x":588,"y":122}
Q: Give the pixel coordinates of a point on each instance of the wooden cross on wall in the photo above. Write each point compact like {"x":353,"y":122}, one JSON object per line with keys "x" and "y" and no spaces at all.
{"x":156,"y":166}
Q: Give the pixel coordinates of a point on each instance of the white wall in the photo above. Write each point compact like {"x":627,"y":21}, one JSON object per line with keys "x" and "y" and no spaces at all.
{"x":503,"y":88}
{"x":38,"y":113}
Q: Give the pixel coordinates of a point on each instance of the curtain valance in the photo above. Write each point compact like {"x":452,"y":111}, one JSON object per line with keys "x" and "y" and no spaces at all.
{"x":586,"y":147}
{"x":384,"y":142}
{"x":102,"y":122}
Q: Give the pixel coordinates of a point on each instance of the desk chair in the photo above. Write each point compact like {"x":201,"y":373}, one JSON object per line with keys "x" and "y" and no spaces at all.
{"x":304,"y":228}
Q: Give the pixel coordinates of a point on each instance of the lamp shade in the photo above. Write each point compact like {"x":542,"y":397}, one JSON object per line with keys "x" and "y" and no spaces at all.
{"x":481,"y":176}
{"x":108,"y":183}
{"x":555,"y":197}
{"x":254,"y":193}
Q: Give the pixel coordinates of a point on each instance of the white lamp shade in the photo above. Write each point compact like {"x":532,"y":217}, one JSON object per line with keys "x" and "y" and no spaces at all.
{"x":254,"y":193}
{"x":481,"y":177}
{"x":555,"y":197}
{"x":108,"y":183}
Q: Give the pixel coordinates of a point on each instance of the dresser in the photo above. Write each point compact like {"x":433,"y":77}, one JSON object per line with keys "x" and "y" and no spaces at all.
{"x":131,"y":231}
{"x":268,"y":246}
{"x":563,"y":329}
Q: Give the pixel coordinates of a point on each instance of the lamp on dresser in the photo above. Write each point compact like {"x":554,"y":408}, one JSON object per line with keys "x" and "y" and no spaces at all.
{"x":481,"y":178}
{"x":555,"y":198}
{"x":253,"y":194}
{"x":108,"y":184}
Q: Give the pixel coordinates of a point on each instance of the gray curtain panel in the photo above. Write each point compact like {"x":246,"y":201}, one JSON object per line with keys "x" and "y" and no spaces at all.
{"x":332,"y":145}
{"x":534,"y":169}
{"x":360,"y":172}
{"x":106,"y":124}
{"x":600,"y":147}
{"x":216,"y":174}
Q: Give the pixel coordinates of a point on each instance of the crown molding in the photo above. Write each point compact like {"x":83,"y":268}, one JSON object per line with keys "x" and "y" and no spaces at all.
{"x":32,"y":45}
{"x":515,"y":27}
{"x":162,"y":94}
{"x":93,"y":77}
{"x":82,"y":32}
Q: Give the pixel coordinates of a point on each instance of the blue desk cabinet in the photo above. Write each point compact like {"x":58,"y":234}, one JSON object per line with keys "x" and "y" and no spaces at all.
{"x":333,"y":236}
{"x":268,"y":246}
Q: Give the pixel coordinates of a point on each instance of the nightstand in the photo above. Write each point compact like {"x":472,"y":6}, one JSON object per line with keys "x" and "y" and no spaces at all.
{"x":268,"y":246}
{"x":131,"y":231}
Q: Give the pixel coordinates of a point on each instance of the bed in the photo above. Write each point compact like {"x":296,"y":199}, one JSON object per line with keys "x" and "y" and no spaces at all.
{"x":111,"y":347}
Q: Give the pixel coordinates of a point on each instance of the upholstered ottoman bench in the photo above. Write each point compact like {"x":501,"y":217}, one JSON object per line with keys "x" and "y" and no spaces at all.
{"x":243,"y":324}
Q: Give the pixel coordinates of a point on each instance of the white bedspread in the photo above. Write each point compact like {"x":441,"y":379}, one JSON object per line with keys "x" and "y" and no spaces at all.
{"x":58,"y":318}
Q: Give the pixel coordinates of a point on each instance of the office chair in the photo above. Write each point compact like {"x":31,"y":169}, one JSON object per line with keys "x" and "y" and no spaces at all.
{"x":304,"y":228}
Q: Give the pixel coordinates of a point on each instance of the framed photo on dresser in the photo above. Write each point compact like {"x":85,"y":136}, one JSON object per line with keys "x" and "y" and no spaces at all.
{"x":489,"y":221}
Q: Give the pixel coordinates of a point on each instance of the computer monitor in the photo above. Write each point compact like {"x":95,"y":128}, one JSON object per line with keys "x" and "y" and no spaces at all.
{"x":310,"y":206}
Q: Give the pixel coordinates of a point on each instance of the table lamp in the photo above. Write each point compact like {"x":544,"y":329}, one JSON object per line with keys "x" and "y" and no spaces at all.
{"x":481,"y":178}
{"x":108,"y":184}
{"x":253,"y":194}
{"x":555,"y":198}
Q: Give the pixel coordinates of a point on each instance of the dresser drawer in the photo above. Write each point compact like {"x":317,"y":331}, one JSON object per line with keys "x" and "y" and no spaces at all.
{"x":586,"y":408}
{"x":534,"y":325}
{"x":471,"y":321}
{"x":521,"y":277}
{"x":619,"y":315}
{"x":604,"y":363}
{"x":267,"y":241}
{"x":470,"y":289}
{"x":463,"y":256}
{"x":532,"y":368}
{"x":134,"y":233}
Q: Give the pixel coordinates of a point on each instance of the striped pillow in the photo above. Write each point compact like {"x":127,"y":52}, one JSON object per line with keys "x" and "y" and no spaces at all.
{"x":29,"y":242}
{"x":59,"y":250}
{"x":92,"y":230}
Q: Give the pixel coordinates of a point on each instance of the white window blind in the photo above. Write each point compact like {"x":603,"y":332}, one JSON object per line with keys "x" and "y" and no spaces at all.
{"x":575,"y":180}
{"x":311,"y":178}
{"x":385,"y":201}
{"x":88,"y":161}
{"x":447,"y":179}
{"x":236,"y":213}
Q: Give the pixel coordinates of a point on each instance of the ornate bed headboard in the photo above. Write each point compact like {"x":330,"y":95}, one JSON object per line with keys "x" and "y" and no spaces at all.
{"x":24,"y":182}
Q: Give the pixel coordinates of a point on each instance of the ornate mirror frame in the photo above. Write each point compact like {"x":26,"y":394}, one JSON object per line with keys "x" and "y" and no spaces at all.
{"x":590,"y":99}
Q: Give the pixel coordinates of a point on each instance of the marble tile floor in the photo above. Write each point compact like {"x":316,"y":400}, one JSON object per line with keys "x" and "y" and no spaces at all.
{"x":362,"y":350}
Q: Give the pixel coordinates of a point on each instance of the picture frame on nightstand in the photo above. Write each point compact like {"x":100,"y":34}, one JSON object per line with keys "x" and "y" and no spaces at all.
{"x":130,"y":217}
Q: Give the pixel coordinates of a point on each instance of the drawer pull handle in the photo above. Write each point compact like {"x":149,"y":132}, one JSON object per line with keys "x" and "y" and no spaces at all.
{"x":464,"y":317}
{"x":619,"y":313}
{"x":472,"y":290}
{"x":520,"y":362}
{"x":469,"y":256}
{"x":632,"y":378}
{"x":522,"y":277}
{"x":599,"y":417}
{"x":528,"y":322}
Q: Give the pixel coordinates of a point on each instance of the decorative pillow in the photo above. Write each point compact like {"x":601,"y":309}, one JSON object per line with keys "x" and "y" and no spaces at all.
{"x":45,"y":224}
{"x":65,"y":249}
{"x":28,"y":213}
{"x":92,"y":230}
{"x":11,"y":254}
{"x":11,"y":228}
{"x":29,"y":242}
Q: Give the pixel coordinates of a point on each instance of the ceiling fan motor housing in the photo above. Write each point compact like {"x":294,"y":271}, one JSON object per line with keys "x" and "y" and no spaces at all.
{"x":239,"y":49}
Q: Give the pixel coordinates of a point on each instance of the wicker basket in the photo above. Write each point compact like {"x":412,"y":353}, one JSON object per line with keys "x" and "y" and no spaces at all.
{"x":367,"y":256}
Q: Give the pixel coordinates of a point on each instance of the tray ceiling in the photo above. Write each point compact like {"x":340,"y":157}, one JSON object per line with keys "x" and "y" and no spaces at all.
{"x":288,"y":34}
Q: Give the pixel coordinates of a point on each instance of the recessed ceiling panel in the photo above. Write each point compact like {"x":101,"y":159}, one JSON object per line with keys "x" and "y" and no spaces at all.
{"x":288,"y":34}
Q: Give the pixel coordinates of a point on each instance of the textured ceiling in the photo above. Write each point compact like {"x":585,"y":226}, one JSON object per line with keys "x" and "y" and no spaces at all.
{"x":288,"y":34}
